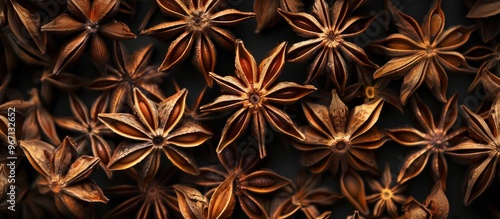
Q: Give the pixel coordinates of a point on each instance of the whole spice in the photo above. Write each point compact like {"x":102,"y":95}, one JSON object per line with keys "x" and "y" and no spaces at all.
{"x":328,"y":30}
{"x":434,"y":142}
{"x":65,"y":174}
{"x":481,"y":150}
{"x":198,"y":24}
{"x":419,"y":52}
{"x":239,"y":179}
{"x":92,"y":22}
{"x":253,"y":93}
{"x":129,"y":71}
{"x":386,"y":196}
{"x":155,"y":127}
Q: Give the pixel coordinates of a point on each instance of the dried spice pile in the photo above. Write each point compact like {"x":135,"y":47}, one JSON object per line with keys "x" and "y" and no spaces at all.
{"x":249,"y":109}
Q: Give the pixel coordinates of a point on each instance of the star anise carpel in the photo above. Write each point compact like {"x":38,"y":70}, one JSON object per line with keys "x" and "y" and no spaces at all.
{"x":266,"y":11}
{"x":433,"y":141}
{"x":419,"y":52}
{"x":24,"y":24}
{"x":91,"y":23}
{"x":129,"y":71}
{"x":65,"y":174}
{"x":253,"y":93}
{"x":89,"y":127}
{"x":386,"y":196}
{"x":436,"y":205}
{"x":329,"y":29}
{"x":481,"y":151}
{"x":154,"y":127}
{"x":238,"y":179}
{"x":198,"y":23}
{"x":486,"y":14}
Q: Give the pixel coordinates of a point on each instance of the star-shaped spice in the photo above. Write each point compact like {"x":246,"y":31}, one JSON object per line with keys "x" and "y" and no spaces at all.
{"x":155,"y":127}
{"x":419,"y":52}
{"x":239,"y":179}
{"x":328,"y":30}
{"x":196,"y":24}
{"x":482,"y":150}
{"x":434,"y":141}
{"x":92,"y":22}
{"x":386,"y":195}
{"x":339,"y":139}
{"x":64,"y":174}
{"x":129,"y":71}
{"x":253,"y":93}
{"x":89,"y":127}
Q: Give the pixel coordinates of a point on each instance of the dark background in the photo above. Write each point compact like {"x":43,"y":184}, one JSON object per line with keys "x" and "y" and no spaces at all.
{"x":281,"y":157}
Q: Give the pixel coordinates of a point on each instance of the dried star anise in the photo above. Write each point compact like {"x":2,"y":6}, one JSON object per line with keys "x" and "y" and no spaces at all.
{"x":483,"y":150}
{"x":198,"y":23}
{"x":238,"y":179}
{"x":64,"y":174}
{"x":129,"y":72}
{"x":329,"y":29}
{"x":370,"y":89}
{"x":92,"y":22}
{"x":90,"y":128}
{"x":266,"y":11}
{"x":338,"y":139}
{"x":305,"y":195}
{"x":20,"y":21}
{"x":419,"y":53}
{"x":154,"y":128}
{"x":434,"y":142}
{"x":488,"y":72}
{"x":253,"y":93}
{"x":155,"y":199}
{"x":386,"y":196}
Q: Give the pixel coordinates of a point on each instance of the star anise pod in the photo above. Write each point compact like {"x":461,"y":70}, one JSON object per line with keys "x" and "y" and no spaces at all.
{"x":482,"y":150}
{"x":370,"y":89}
{"x":16,"y":15}
{"x":253,"y":93}
{"x":306,"y":195}
{"x":156,"y":199}
{"x":386,"y":195}
{"x":64,"y":174}
{"x":266,"y":11}
{"x":436,"y":205}
{"x":489,"y":71}
{"x":337,"y":139}
{"x":239,"y":179}
{"x":89,"y":127}
{"x":433,"y":142}
{"x":419,"y":53}
{"x":486,"y":13}
{"x":193,"y":204}
{"x":92,"y":21}
{"x":154,"y":128}
{"x":197,"y":24}
{"x":130,"y":71}
{"x":328,"y":30}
